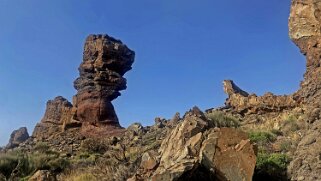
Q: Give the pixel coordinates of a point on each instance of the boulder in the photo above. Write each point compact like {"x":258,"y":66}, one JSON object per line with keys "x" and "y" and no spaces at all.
{"x":229,"y":153}
{"x":17,"y":137}
{"x":195,"y":151}
{"x":149,"y":160}
{"x":180,"y":149}
{"x":43,"y":175}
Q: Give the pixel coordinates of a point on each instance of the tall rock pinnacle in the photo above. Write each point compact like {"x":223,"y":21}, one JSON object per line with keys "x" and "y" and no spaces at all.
{"x":105,"y":61}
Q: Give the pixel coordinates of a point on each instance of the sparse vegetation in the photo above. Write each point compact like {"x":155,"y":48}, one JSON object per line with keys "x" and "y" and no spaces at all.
{"x":271,"y":166}
{"x":220,"y":119}
{"x":18,"y":164}
{"x":82,"y":177}
{"x":285,"y":145}
{"x":290,"y":125}
{"x":262,"y":137}
{"x":95,"y":146}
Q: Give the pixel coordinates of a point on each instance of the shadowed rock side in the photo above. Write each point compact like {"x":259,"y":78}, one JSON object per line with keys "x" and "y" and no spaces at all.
{"x":105,"y":62}
{"x":17,"y":137}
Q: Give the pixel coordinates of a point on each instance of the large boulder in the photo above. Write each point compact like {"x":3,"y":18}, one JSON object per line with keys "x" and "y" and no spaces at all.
{"x":105,"y":61}
{"x":195,"y":151}
{"x":17,"y":137}
{"x":229,"y":153}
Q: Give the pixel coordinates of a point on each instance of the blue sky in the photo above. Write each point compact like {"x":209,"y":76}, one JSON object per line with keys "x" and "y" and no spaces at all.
{"x":184,"y":50}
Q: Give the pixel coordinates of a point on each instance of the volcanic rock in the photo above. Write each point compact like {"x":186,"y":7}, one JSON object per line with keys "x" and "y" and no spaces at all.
{"x":17,"y":137}
{"x":305,"y":32}
{"x":59,"y":112}
{"x":193,"y":151}
{"x":244,"y":103}
{"x":229,"y":152}
{"x":105,"y":61}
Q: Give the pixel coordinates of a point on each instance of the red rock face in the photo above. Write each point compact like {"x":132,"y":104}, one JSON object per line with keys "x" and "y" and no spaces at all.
{"x":105,"y":62}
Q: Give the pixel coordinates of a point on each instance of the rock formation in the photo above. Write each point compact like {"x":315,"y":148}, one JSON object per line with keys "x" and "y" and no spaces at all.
{"x":195,"y":151}
{"x":244,"y":103}
{"x":58,"y":113}
{"x":17,"y":137}
{"x":305,"y":31}
{"x":105,"y":62}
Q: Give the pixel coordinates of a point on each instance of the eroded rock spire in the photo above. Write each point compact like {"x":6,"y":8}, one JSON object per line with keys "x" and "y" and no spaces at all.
{"x":105,"y":61}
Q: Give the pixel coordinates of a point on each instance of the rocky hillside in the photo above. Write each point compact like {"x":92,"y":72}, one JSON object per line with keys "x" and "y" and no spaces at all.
{"x":252,"y":137}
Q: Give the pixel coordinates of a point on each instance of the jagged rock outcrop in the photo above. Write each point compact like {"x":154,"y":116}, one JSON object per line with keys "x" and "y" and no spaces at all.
{"x":305,"y":32}
{"x":195,"y":151}
{"x":244,"y":103}
{"x":105,"y":62}
{"x":59,"y":112}
{"x":17,"y":137}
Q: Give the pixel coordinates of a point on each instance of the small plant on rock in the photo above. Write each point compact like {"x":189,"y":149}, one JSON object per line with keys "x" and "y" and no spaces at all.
{"x":220,"y":119}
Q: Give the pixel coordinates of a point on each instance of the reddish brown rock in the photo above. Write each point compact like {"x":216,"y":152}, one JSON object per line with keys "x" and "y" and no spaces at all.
{"x":229,"y":152}
{"x":105,"y":62}
{"x":59,"y":112}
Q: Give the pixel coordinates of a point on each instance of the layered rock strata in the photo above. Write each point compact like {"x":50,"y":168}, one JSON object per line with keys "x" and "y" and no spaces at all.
{"x":245,"y":103}
{"x":101,"y":78}
{"x":59,"y":112}
{"x":305,"y":32}
{"x":105,"y":61}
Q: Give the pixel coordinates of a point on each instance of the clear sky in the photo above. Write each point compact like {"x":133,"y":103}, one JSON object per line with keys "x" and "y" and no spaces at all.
{"x":184,"y":50}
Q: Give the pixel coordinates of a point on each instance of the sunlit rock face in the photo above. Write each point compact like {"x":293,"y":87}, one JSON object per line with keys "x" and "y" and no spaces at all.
{"x":105,"y":61}
{"x":305,"y":32}
{"x":245,"y":103}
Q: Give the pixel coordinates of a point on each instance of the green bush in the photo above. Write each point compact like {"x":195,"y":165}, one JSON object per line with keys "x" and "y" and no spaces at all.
{"x":220,"y":119}
{"x":285,"y":145}
{"x":273,"y":165}
{"x":261,"y":137}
